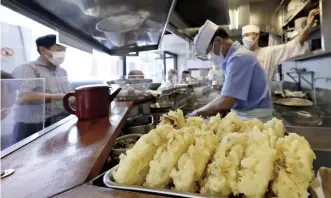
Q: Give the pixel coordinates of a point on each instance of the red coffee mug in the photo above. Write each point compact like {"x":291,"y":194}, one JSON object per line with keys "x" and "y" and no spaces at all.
{"x":92,"y":101}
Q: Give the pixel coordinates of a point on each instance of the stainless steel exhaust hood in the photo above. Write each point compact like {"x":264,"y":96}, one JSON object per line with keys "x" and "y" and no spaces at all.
{"x":190,"y":15}
{"x":111,"y":26}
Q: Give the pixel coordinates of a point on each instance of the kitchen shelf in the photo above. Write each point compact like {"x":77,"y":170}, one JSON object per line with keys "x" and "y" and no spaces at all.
{"x":314,"y":33}
{"x":280,"y":5}
{"x":310,"y":56}
{"x":296,"y":13}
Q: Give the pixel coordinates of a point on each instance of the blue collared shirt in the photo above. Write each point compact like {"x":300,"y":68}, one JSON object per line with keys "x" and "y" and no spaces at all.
{"x":245,"y":79}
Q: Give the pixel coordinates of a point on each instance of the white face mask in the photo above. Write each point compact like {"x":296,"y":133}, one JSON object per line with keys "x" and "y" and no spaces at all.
{"x":216,"y":60}
{"x":248,"y":42}
{"x":173,"y":78}
{"x":57,"y":58}
{"x":216,"y":67}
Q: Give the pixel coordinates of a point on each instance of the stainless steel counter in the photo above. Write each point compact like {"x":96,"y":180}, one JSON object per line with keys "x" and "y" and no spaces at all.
{"x":318,"y":137}
{"x":320,"y":140}
{"x":323,"y":113}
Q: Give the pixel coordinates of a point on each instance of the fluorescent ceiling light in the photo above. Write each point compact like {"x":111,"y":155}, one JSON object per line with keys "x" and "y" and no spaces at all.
{"x":234,"y":19}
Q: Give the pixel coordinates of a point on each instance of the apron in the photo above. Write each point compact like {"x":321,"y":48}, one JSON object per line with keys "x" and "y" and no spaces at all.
{"x":263,"y":114}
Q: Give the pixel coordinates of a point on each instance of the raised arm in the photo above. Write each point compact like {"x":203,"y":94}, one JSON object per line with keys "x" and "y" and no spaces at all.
{"x":310,"y":23}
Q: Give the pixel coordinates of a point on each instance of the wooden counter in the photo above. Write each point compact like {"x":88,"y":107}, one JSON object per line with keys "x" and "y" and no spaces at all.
{"x":64,"y":158}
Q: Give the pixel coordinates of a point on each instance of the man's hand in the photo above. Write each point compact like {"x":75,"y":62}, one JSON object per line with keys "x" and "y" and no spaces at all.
{"x":56,"y":97}
{"x":310,"y":23}
{"x":311,"y":17}
{"x":221,"y":104}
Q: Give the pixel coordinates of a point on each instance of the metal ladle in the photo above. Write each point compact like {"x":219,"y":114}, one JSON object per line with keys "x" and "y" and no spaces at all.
{"x":7,"y":172}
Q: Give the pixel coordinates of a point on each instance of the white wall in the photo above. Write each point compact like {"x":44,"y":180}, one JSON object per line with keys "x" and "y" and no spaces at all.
{"x":184,"y":63}
{"x":321,"y":67}
{"x":181,"y":47}
{"x":13,"y":39}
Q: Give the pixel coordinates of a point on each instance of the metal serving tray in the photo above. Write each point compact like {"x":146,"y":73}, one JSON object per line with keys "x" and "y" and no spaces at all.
{"x":109,"y":181}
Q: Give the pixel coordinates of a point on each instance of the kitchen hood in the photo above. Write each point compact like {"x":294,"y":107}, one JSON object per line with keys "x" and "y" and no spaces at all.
{"x":116,"y":27}
{"x":189,"y":15}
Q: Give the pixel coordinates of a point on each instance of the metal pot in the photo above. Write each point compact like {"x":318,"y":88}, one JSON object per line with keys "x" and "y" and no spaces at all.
{"x":116,"y":152}
{"x":294,"y":102}
{"x":303,"y":118}
{"x":134,"y":125}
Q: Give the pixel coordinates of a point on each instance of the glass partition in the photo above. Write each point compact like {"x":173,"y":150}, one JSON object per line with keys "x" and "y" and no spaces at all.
{"x":22,"y":109}
{"x":150,"y":63}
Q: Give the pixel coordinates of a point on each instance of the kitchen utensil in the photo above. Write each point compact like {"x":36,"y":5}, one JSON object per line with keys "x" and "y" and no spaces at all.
{"x":276,"y":86}
{"x":321,"y":187}
{"x":139,"y":125}
{"x":294,"y":102}
{"x":123,"y":144}
{"x":295,"y":94}
{"x":293,"y":5}
{"x":92,"y":101}
{"x":302,"y":118}
{"x":154,"y":86}
{"x":132,"y":89}
{"x":109,"y":181}
{"x":7,"y":172}
{"x":161,"y":105}
{"x":279,"y":94}
{"x":154,"y":93}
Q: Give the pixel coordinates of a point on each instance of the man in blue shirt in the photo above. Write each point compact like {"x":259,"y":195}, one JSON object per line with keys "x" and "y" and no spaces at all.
{"x":245,"y":90}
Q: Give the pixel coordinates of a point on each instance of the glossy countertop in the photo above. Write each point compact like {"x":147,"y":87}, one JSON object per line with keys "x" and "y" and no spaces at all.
{"x":66,"y":157}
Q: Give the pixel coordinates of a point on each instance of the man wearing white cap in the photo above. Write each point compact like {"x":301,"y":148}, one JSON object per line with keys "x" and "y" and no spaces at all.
{"x":216,"y":74}
{"x":245,"y":90}
{"x":270,"y":57}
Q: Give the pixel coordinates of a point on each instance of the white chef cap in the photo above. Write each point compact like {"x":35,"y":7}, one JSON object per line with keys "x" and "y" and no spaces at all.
{"x":204,"y":36}
{"x":250,"y":28}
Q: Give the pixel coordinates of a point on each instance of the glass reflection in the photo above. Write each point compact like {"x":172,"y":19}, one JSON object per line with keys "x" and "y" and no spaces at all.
{"x":115,"y":23}
{"x":73,"y":136}
{"x":37,"y":71}
{"x":20,"y":119}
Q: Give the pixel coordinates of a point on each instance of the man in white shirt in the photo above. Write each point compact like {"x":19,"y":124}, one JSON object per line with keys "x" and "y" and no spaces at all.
{"x":171,"y":80}
{"x":40,"y":102}
{"x":216,"y":74}
{"x":271,"y":56}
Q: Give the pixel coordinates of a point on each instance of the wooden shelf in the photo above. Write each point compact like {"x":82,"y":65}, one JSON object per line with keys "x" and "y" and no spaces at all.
{"x":296,"y":13}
